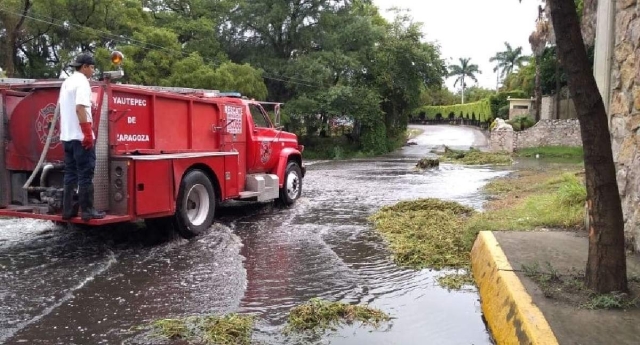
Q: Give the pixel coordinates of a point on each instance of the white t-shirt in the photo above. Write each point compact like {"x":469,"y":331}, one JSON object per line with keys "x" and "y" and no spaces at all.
{"x":75,"y":90}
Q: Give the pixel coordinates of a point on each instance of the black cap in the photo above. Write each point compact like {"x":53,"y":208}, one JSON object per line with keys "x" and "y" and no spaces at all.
{"x":83,"y":59}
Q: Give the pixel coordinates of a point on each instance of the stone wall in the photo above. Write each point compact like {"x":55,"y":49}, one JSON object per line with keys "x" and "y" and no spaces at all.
{"x":544,"y":133}
{"x":549,"y":133}
{"x":548,"y":109}
{"x":624,"y":110}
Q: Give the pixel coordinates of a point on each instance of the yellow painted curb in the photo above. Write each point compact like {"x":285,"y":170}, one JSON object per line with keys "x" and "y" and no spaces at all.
{"x":512,"y":316}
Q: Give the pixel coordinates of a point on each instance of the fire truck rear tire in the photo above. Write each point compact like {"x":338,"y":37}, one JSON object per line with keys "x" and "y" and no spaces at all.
{"x":292,"y":188}
{"x":196,"y":204}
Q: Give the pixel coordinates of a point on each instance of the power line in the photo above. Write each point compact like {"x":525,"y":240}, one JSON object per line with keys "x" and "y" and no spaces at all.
{"x":128,"y":40}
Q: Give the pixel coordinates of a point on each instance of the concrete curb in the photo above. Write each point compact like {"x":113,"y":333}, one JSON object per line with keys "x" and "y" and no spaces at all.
{"x":512,"y":316}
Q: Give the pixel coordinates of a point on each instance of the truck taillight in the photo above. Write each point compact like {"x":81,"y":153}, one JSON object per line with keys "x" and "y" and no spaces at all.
{"x":118,"y":189}
{"x":301,"y":148}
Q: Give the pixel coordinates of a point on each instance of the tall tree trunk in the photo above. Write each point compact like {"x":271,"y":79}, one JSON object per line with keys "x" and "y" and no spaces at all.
{"x":9,"y":64}
{"x":463,"y":89}
{"x":538,"y":90}
{"x":606,"y":266}
{"x":557,"y":76}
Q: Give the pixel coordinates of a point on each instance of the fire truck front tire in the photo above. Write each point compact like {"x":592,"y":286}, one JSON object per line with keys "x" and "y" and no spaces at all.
{"x":292,"y":188}
{"x":196,"y":204}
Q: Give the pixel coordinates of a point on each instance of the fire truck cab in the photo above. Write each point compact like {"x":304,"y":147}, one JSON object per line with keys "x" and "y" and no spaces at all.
{"x":164,"y":155}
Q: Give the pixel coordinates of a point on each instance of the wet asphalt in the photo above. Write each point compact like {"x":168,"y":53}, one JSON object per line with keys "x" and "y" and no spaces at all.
{"x":74,"y":286}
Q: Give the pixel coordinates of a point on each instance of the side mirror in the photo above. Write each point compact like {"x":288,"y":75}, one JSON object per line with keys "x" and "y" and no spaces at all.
{"x":277,"y":111}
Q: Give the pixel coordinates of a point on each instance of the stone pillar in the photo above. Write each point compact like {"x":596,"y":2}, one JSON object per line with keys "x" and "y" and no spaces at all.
{"x":604,"y":44}
{"x":502,"y":140}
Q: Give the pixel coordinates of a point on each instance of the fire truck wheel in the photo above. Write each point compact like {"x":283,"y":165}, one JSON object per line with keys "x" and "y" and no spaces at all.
{"x":196,"y":203}
{"x":292,"y":188}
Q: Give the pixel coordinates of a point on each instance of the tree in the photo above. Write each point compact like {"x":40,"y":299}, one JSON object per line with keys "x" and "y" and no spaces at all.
{"x":606,"y":264}
{"x":12,"y":19}
{"x":508,"y":60}
{"x":476,"y":93}
{"x":401,"y":65}
{"x":437,"y":95}
{"x":324,"y":58}
{"x":462,"y":71}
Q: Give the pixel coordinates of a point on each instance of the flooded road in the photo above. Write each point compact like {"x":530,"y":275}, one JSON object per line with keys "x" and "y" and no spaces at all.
{"x":63,"y":286}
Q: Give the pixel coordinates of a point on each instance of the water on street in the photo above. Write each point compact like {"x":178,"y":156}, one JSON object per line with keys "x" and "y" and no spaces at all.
{"x":62,"y":286}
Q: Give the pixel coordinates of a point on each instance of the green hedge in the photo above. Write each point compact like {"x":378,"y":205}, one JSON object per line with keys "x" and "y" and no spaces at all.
{"x":481,"y":110}
{"x":484,"y":110}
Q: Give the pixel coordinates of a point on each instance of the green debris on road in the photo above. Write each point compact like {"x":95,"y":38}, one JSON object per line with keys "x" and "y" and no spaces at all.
{"x":475,"y":157}
{"x":425,"y":233}
{"x":228,"y":329}
{"x":318,"y":314}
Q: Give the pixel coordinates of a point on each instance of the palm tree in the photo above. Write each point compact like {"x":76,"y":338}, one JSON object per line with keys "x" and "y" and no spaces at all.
{"x":508,"y":60}
{"x":462,"y":71}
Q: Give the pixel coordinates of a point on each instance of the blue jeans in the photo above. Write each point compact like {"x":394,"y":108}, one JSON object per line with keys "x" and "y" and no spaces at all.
{"x":79,"y":163}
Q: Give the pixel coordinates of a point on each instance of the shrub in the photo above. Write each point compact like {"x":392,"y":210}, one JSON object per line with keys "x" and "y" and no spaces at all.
{"x":522,"y":122}
{"x":503,"y":112}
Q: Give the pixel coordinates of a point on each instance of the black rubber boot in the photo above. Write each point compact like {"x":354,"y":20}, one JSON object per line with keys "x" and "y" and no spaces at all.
{"x":86,"y":204}
{"x":69,"y":205}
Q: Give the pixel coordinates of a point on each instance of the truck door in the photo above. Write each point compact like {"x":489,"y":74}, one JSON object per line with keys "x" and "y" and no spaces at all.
{"x":262,"y":154}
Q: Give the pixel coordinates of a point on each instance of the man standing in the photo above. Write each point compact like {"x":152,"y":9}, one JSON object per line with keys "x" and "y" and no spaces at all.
{"x":78,"y":139}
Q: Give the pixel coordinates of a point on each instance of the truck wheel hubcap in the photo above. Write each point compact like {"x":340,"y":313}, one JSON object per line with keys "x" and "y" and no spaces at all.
{"x":293,"y":185}
{"x":197,"y":204}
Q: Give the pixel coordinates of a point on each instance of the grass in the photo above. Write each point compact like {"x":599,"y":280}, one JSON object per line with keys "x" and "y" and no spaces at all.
{"x":475,"y":157}
{"x":228,"y":329}
{"x":611,"y":301}
{"x":571,"y":288}
{"x":318,"y":315}
{"x":432,"y":233}
{"x":551,"y":152}
{"x":172,"y":328}
{"x":556,"y":203}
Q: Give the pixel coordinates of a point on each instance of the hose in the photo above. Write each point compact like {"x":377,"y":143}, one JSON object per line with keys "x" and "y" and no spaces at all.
{"x":56,"y":114}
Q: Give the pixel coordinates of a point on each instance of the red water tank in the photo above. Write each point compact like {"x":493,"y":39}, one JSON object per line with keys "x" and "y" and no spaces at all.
{"x":28,"y":128}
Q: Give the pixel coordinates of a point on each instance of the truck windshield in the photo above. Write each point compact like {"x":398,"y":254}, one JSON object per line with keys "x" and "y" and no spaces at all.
{"x":258,"y":117}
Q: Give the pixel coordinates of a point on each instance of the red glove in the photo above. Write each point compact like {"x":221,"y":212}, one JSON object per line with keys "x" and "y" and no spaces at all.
{"x":87,"y":142}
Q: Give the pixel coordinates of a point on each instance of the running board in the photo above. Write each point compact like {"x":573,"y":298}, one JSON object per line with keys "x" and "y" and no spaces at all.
{"x":263,"y":187}
{"x":33,"y":213}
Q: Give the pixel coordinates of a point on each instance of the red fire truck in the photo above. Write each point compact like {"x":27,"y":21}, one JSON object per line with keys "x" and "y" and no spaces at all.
{"x":164,"y":155}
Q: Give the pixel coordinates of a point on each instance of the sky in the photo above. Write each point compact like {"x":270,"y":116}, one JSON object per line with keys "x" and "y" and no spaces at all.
{"x":471,"y":28}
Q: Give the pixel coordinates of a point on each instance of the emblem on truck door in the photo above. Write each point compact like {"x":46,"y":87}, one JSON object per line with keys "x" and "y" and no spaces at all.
{"x":234,"y":119}
{"x":43,"y":123}
{"x":265,"y":151}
